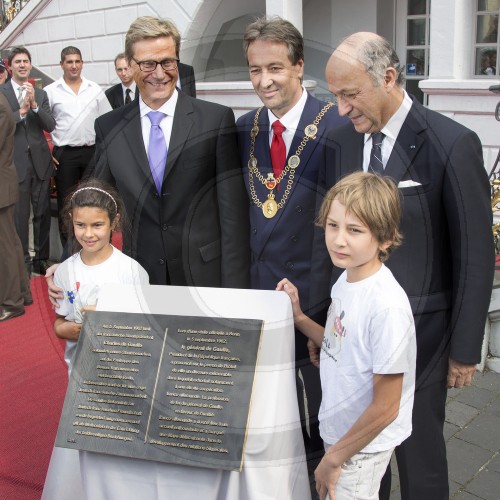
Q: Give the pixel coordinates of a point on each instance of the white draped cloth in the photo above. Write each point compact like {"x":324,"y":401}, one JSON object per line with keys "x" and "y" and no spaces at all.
{"x":274,"y":465}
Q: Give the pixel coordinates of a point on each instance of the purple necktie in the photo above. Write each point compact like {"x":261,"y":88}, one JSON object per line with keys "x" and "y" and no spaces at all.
{"x":157,"y":150}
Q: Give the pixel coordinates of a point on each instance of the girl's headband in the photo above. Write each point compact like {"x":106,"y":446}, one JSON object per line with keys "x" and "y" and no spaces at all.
{"x":95,"y":189}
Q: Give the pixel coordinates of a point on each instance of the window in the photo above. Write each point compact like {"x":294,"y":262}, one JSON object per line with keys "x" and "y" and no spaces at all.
{"x":417,"y":45}
{"x":486,"y":39}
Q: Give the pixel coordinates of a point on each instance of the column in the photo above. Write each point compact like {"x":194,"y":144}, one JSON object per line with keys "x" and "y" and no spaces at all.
{"x":291,"y":10}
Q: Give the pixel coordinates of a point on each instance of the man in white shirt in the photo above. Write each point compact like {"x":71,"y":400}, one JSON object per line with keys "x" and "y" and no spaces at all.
{"x":31,"y":111}
{"x":126,"y":91}
{"x":75,"y":102}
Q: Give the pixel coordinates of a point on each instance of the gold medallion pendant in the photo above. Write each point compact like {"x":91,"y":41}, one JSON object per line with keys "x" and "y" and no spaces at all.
{"x":311,"y":131}
{"x":293,"y":161}
{"x":269,"y":207}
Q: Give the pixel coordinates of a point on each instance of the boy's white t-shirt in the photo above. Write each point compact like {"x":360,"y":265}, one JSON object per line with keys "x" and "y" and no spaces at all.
{"x":81,"y":283}
{"x":369,"y":330}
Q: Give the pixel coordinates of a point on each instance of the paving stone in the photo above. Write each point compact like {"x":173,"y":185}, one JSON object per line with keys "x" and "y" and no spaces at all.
{"x":487,"y":380}
{"x":454,"y":488}
{"x":494,"y":407}
{"x":472,"y":433}
{"x":483,"y":431}
{"x":459,"y":413}
{"x":485,"y":485}
{"x":464,"y":495}
{"x":476,"y":397}
{"x":452,"y":394}
{"x":450,"y":430}
{"x":464,"y":460}
{"x":494,"y":465}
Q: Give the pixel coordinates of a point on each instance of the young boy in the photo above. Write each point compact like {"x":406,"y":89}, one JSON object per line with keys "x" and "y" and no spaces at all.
{"x":368,"y":348}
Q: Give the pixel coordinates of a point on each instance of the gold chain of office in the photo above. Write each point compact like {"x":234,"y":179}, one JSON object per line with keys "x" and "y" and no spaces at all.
{"x":270,"y":207}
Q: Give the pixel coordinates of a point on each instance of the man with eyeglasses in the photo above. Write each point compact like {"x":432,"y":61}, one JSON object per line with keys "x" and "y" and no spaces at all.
{"x":174,"y":160}
{"x":446,"y":261}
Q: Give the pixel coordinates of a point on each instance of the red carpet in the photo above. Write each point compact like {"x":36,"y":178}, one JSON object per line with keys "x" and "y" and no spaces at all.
{"x":33,"y":380}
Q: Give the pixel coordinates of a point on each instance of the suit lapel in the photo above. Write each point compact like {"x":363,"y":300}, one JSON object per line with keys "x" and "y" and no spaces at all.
{"x":309,"y":114}
{"x":119,"y":95}
{"x":181,"y":129}
{"x":11,"y":96}
{"x":349,"y":148}
{"x":407,"y":145}
{"x":132,"y":131}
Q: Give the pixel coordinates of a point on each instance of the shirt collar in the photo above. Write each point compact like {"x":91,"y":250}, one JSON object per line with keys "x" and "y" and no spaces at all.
{"x":290,"y":120}
{"x":85,"y":83}
{"x":168,"y":107}
{"x":15,"y":85}
{"x":395,"y":123}
{"x":131,"y":87}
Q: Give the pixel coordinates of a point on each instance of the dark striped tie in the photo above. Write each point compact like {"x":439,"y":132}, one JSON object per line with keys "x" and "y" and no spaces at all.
{"x":376,"y":166}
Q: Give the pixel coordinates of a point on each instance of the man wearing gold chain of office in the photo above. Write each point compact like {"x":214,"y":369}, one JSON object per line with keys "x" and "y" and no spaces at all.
{"x":282,"y":146}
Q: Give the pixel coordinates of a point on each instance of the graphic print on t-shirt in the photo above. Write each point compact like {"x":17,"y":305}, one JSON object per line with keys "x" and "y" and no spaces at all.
{"x":71,"y":294}
{"x":334,"y":331}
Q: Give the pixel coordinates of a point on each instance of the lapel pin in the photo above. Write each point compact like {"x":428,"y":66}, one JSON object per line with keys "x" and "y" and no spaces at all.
{"x":412,"y":146}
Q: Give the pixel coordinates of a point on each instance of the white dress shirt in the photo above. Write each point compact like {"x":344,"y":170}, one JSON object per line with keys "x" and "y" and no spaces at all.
{"x":391,"y":132}
{"x":166,"y":124}
{"x":16,"y":86}
{"x":75,"y":114}
{"x":290,"y":120}
{"x":132,"y":91}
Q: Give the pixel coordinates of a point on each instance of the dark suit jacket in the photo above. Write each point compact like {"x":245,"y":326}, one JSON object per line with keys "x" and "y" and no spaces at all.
{"x":29,"y":139}
{"x":446,"y":262}
{"x":8,"y":178}
{"x":115,"y":95}
{"x":197,"y":228}
{"x":281,"y":246}
{"x":186,"y":76}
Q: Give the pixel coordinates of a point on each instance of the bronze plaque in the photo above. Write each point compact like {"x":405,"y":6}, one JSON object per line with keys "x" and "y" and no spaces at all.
{"x":172,"y":389}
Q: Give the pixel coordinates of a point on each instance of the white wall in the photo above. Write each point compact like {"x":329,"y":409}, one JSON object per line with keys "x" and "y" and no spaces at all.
{"x":96,"y":27}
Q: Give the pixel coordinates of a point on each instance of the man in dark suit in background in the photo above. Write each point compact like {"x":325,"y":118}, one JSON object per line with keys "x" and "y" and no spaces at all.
{"x":186,"y":80}
{"x":126,"y":91}
{"x":12,"y":271}
{"x":188,"y":214}
{"x":282,"y":208}
{"x":31,"y":111}
{"x":445,"y":264}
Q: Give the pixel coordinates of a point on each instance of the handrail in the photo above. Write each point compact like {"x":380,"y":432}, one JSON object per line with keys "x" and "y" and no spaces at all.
{"x":9,"y":12}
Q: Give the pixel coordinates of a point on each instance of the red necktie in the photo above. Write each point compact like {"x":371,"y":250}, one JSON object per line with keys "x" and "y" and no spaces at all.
{"x":278,"y":149}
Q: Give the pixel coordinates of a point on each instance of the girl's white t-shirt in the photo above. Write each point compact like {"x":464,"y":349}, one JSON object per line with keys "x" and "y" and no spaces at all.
{"x":81,"y":284}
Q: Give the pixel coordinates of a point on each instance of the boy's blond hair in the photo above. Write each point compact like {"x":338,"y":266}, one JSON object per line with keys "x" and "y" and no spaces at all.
{"x":375,"y":200}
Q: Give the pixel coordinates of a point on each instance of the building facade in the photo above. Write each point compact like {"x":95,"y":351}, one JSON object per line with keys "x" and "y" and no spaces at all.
{"x":449,"y":49}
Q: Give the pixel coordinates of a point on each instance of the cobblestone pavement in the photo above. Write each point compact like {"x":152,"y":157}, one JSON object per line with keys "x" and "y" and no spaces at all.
{"x":472,"y":433}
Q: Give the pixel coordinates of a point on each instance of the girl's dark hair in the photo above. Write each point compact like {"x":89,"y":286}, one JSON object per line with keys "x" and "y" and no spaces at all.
{"x":92,"y":193}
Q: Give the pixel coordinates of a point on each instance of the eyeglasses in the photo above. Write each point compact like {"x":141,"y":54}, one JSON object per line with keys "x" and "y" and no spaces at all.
{"x":166,"y":64}
{"x":347,"y":98}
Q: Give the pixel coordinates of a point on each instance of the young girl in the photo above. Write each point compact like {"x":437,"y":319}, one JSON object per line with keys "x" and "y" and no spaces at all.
{"x":368,"y":347}
{"x":91,"y":213}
